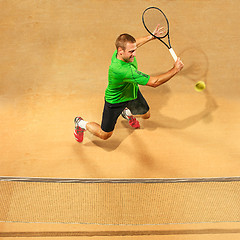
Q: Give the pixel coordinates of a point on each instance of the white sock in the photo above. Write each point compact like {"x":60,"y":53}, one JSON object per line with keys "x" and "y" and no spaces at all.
{"x":128,"y":113}
{"x":82,"y":124}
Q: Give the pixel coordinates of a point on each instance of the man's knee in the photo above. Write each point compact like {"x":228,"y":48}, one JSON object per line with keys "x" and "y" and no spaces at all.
{"x":106,"y":135}
{"x":146,"y":115}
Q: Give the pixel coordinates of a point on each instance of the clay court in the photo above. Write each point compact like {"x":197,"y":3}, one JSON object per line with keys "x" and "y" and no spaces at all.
{"x":54,"y":66}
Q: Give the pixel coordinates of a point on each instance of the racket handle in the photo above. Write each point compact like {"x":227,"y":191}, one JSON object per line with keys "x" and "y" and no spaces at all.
{"x":173,"y":54}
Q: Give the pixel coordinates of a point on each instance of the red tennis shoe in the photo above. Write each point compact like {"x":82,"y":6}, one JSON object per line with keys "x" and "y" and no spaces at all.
{"x":133,"y":122}
{"x":78,"y":132}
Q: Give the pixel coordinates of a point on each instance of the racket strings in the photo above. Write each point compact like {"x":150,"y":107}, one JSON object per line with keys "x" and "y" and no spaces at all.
{"x":155,"y":20}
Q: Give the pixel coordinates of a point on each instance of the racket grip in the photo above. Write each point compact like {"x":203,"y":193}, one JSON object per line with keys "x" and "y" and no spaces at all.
{"x":173,"y":54}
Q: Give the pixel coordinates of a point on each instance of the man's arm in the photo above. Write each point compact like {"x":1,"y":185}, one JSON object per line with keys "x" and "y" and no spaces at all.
{"x":162,"y":78}
{"x":143,"y":40}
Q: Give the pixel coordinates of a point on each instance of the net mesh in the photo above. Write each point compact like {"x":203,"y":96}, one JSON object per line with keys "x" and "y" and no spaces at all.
{"x":119,"y":202}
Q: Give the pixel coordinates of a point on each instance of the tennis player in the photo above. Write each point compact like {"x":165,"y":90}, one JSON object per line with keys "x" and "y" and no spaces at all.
{"x":122,"y":95}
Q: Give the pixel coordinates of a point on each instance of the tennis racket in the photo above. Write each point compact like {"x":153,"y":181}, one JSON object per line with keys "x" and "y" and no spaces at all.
{"x":156,"y":23}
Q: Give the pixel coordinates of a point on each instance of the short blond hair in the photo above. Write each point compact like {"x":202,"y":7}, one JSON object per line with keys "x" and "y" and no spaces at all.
{"x":123,"y":39}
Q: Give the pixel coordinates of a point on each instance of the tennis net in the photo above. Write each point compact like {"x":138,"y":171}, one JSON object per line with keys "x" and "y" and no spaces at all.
{"x":120,"y":201}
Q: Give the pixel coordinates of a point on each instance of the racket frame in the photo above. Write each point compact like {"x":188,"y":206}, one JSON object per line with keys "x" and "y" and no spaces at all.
{"x":160,"y":38}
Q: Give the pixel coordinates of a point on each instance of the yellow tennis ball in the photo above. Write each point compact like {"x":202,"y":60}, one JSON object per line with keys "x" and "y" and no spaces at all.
{"x":200,"y":85}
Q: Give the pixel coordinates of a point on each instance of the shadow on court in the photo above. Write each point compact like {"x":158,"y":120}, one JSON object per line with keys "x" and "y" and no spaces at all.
{"x":174,"y":123}
{"x":195,"y":69}
{"x":122,"y":131}
{"x":120,"y":233}
{"x":196,"y":66}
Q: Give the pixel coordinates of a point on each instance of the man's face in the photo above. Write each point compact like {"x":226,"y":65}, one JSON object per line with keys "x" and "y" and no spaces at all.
{"x":129,"y":53}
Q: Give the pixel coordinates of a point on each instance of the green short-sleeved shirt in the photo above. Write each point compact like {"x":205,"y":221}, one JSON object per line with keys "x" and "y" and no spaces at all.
{"x":123,"y":80}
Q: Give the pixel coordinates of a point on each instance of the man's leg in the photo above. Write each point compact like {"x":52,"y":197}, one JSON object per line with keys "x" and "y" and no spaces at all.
{"x":96,"y":130}
{"x":81,"y":126}
{"x":136,"y":108}
{"x":110,"y":115}
{"x":144,"y":116}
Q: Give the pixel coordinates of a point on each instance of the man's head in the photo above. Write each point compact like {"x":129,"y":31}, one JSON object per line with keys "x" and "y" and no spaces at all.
{"x":126,"y":47}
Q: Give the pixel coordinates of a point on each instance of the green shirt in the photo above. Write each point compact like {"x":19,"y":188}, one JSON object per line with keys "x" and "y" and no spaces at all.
{"x":123,"y":80}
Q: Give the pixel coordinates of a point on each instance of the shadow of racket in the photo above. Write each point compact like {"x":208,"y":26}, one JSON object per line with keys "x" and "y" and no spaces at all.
{"x":195,"y":69}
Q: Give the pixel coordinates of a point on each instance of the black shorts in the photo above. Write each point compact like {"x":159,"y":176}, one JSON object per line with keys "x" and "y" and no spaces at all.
{"x":111,"y":112}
